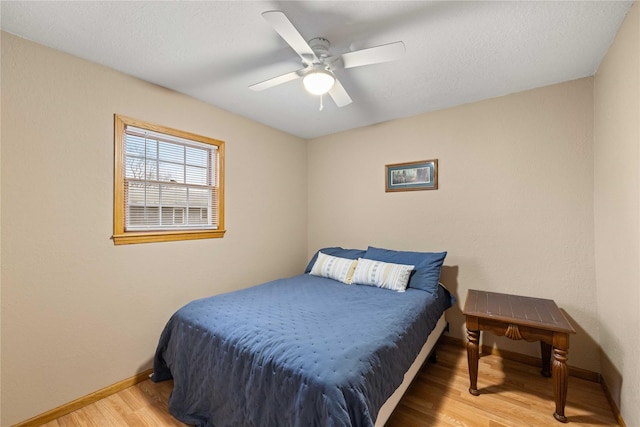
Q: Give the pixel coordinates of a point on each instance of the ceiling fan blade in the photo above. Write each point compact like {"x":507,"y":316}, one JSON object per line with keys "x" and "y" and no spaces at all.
{"x":339,"y":94}
{"x":276,"y":81}
{"x":290,"y":34}
{"x":373,"y":55}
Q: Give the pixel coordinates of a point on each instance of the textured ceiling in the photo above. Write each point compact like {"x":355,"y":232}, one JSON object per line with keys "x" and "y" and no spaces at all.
{"x":456,"y":52}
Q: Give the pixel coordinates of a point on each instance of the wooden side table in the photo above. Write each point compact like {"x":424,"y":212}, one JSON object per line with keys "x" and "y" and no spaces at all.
{"x":521,"y":318}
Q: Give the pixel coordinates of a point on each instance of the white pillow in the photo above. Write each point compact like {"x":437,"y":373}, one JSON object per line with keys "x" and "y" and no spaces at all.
{"x":333,"y":267}
{"x":382,"y":274}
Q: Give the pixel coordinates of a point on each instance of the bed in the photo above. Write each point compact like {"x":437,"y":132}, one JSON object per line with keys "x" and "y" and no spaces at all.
{"x":308,"y":350}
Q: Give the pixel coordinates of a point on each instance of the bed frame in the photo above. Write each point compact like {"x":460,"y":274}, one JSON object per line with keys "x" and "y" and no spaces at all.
{"x":390,"y":405}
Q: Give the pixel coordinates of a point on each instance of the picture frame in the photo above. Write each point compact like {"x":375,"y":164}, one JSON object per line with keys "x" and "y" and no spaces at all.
{"x":412,"y":176}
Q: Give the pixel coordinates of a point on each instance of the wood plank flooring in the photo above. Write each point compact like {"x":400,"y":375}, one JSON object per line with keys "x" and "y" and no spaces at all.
{"x":512,"y":394}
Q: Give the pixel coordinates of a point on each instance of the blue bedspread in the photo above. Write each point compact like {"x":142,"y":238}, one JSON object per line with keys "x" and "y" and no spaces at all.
{"x":302,"y":351}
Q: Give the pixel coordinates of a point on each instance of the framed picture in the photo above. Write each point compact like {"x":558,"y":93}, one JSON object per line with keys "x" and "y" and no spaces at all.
{"x":410,"y":176}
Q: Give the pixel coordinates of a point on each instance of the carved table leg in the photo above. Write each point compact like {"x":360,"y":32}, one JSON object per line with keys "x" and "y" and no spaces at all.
{"x":560,"y":382}
{"x":472,"y":358}
{"x":545,"y":351}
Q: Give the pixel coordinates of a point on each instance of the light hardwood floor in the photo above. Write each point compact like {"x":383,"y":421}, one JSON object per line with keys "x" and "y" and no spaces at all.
{"x":511,"y":394}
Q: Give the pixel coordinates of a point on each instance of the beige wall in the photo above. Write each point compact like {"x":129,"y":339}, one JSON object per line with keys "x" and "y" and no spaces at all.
{"x":514,"y":207}
{"x":617,"y":215}
{"x":0,"y":236}
{"x":79,"y":313}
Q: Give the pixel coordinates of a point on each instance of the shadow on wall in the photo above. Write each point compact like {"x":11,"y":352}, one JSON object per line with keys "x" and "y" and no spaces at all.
{"x":581,"y":341}
{"x":449,"y":278}
{"x":611,"y":381}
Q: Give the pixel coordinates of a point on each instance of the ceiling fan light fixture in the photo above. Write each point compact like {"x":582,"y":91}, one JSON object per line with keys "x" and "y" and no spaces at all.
{"x":318,"y":81}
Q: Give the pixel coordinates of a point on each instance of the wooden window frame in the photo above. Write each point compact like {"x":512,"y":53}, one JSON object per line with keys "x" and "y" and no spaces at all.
{"x":123,"y":237}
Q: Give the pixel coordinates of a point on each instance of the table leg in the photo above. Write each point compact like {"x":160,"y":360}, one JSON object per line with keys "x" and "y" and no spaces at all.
{"x":472,"y":359}
{"x":545,"y":351}
{"x":560,"y":382}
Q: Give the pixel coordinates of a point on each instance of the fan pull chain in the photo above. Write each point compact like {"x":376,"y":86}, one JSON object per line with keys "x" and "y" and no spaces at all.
{"x":321,"y":106}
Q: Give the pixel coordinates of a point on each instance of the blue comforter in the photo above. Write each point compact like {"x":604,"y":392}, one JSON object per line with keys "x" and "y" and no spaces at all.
{"x":302,"y":351}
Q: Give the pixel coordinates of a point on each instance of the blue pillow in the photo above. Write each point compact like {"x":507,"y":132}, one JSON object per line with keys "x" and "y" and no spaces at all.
{"x":336,"y":251}
{"x":427,"y":265}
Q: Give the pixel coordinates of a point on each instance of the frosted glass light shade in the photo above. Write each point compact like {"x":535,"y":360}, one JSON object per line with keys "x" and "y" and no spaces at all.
{"x":318,"y":82}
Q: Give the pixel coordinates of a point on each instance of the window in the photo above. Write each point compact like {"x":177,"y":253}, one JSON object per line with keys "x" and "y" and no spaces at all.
{"x":168,"y":184}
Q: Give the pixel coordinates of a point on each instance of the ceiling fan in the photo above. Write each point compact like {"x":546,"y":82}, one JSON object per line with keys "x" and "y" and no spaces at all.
{"x":319,"y":64}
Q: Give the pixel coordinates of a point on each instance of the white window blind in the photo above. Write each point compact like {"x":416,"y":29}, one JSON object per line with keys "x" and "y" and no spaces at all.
{"x":170,"y":183}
